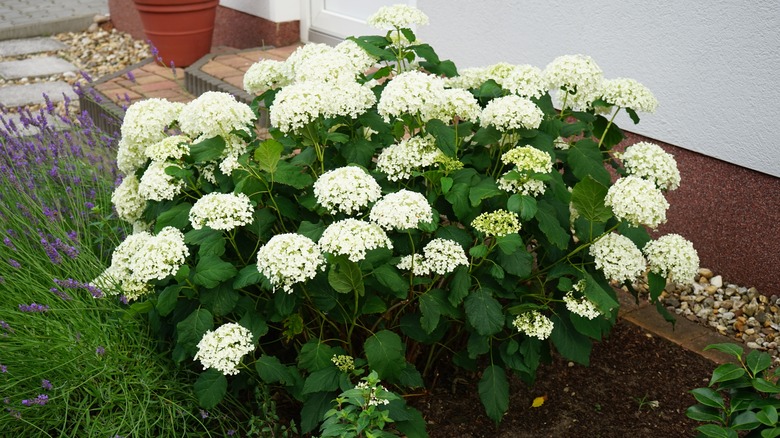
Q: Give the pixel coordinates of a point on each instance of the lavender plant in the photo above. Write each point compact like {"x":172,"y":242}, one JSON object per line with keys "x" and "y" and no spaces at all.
{"x":71,"y":362}
{"x":399,"y":211}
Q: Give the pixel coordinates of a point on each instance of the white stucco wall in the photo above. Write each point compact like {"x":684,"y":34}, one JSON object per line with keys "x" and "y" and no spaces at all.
{"x":273,"y":10}
{"x":713,"y":65}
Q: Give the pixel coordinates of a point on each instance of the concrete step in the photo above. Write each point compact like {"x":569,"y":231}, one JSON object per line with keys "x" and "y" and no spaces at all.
{"x":19,"y":95}
{"x":35,"y":67}
{"x":30,"y":45}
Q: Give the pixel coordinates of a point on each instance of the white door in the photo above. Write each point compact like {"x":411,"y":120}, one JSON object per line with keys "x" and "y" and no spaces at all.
{"x":330,"y":21}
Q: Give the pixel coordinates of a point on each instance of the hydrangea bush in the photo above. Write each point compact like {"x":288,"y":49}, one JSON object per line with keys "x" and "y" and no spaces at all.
{"x":398,"y":216}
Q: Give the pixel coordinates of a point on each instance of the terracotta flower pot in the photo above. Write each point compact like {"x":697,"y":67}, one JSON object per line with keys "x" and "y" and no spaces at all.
{"x":181,"y":30}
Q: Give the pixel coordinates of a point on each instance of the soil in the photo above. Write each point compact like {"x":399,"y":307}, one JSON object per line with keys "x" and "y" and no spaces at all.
{"x":610,"y":398}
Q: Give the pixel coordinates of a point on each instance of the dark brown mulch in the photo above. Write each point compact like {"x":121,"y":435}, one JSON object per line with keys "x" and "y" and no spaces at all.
{"x":610,"y":398}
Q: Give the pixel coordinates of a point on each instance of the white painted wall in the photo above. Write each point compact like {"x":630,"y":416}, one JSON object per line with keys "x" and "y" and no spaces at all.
{"x":273,"y":10}
{"x":714,"y":65}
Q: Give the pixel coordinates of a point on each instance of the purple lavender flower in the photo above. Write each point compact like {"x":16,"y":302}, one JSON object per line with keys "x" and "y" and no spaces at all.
{"x":100,"y":350}
{"x":3,"y":368}
{"x":60,"y":294}
{"x":33,"y":308}
{"x":51,"y":251}
{"x":123,"y":299}
{"x":4,"y":325}
{"x":14,"y":263}
{"x":41,"y":400}
{"x":7,"y":241}
{"x":231,"y":432}
{"x":204,"y":414}
{"x":86,"y":76}
{"x":45,"y":384}
{"x":130,"y":76}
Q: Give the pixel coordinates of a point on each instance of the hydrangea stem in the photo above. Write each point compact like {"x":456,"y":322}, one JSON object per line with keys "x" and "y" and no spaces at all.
{"x":609,"y":125}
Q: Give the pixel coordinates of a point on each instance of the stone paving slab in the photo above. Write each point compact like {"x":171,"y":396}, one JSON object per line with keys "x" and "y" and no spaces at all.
{"x":19,"y":95}
{"x":30,"y":45}
{"x":32,"y":129}
{"x":34,"y":67}
{"x":28,"y":18}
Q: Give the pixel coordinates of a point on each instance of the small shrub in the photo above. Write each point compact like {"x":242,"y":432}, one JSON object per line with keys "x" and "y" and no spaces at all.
{"x":740,"y":397}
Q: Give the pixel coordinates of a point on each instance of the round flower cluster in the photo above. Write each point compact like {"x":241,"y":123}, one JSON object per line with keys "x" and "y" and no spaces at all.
{"x":346,"y":189}
{"x":235,"y":146}
{"x":141,"y":258}
{"x":618,"y":258}
{"x":144,"y":124}
{"x":215,"y":113}
{"x":637,"y":201}
{"x":145,"y":121}
{"x":353,"y":237}
{"x":127,"y":201}
{"x":580,"y":306}
{"x":264,"y":75}
{"x":415,"y":263}
{"x":628,"y":93}
{"x":673,"y":257}
{"x":223,"y":348}
{"x":297,"y":105}
{"x":414,"y":93}
{"x":522,"y":80}
{"x":300,"y":56}
{"x":512,"y":112}
{"x":459,"y":103}
{"x":527,"y":160}
{"x":326,"y":66}
{"x":288,"y":259}
{"x":650,"y":162}
{"x":156,"y":185}
{"x":534,"y":324}
{"x":344,"y":363}
{"x":442,"y":256}
{"x":169,"y":148}
{"x":497,"y":223}
{"x":401,"y":210}
{"x":578,"y":79}
{"x":397,"y":16}
{"x":221,"y":211}
{"x":399,"y":160}
{"x":361,"y":60}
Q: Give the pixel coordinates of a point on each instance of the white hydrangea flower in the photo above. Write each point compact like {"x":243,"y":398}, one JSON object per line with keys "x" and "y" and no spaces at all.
{"x":412,"y":92}
{"x":400,"y":160}
{"x":415,"y":263}
{"x":637,"y":201}
{"x":497,"y":223}
{"x":288,"y":259}
{"x":346,"y":189}
{"x":223,"y":348}
{"x":156,"y":185}
{"x":326,"y":66}
{"x":215,"y":113}
{"x":397,"y":16}
{"x":580,"y":306}
{"x":442,"y":256}
{"x":534,"y":324}
{"x":169,"y":148}
{"x":141,"y":258}
{"x":235,"y":146}
{"x":301,"y":55}
{"x":353,"y":238}
{"x":577,"y":74}
{"x":618,"y":258}
{"x":650,"y":162}
{"x":674,"y":257}
{"x":628,"y":93}
{"x":128,"y":202}
{"x":130,"y":156}
{"x":221,"y":211}
{"x":459,"y":103}
{"x":297,"y":105}
{"x":468,"y":78}
{"x":145,"y":121}
{"x":401,"y":210}
{"x":560,"y":143}
{"x":264,"y":75}
{"x":361,"y":60}
{"x":527,"y":159}
{"x":512,"y":112}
